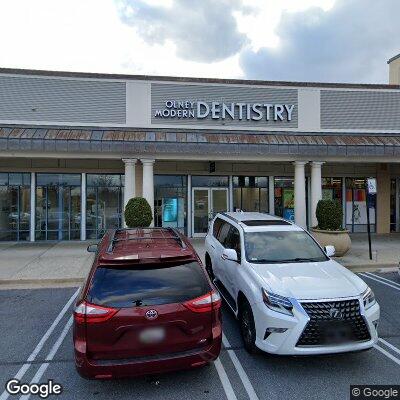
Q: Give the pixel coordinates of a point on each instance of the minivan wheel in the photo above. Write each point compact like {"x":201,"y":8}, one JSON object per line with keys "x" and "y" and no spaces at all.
{"x":248,"y":328}
{"x":209,"y":268}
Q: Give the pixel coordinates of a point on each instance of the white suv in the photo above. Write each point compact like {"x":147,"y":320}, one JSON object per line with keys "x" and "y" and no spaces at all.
{"x":289,"y":296}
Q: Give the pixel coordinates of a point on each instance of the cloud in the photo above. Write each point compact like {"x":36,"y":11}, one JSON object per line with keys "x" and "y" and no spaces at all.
{"x":202,"y":31}
{"x":348,"y":43}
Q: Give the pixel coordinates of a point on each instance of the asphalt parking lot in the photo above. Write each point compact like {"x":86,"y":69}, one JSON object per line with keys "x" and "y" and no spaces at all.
{"x":36,"y":345}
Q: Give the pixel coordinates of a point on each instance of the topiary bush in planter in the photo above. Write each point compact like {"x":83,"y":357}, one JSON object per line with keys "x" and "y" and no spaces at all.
{"x":329,"y":231}
{"x":329,"y":215}
{"x":138,"y":213}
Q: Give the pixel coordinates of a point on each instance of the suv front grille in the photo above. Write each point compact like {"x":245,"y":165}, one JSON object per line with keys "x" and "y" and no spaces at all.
{"x":333,"y":322}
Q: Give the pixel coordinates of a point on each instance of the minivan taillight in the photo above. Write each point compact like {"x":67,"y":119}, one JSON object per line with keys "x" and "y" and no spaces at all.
{"x":92,"y":313}
{"x":207,"y":303}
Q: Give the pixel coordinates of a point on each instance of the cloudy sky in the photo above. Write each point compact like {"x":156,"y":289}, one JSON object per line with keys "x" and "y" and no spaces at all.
{"x":301,"y":40}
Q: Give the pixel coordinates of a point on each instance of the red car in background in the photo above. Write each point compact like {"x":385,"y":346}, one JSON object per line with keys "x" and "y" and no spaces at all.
{"x":147,"y":307}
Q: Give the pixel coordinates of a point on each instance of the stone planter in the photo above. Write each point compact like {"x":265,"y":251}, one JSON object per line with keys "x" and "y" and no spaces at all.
{"x":340,"y":239}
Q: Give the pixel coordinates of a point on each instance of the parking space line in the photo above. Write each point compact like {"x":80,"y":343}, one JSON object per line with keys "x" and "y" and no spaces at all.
{"x":50,"y":356}
{"x":226,"y":383}
{"x":387,"y":354}
{"x":239,"y":368}
{"x":378,"y":280}
{"x":22,"y":371}
{"x":382,"y":278}
{"x":394,"y":348}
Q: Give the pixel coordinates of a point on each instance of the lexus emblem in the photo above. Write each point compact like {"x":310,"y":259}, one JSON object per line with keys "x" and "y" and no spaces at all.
{"x":335,"y":313}
{"x":151,"y":314}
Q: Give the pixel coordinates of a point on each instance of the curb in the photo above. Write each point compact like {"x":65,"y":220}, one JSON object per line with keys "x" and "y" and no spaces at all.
{"x":40,"y":283}
{"x":74,"y":282}
{"x":368,"y":268}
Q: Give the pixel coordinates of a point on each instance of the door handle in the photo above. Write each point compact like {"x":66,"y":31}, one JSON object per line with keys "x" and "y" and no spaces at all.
{"x":224,"y":257}
{"x":212,"y":246}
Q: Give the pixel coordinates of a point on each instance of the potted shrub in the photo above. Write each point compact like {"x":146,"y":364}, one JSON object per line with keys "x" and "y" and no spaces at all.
{"x":329,"y":231}
{"x":138,"y":213}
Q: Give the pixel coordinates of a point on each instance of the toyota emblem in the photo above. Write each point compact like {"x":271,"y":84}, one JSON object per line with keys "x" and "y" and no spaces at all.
{"x":335,"y":313}
{"x":151,"y":314}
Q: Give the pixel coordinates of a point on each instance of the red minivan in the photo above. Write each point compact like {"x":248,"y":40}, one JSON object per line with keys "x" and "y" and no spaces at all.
{"x":147,"y":307}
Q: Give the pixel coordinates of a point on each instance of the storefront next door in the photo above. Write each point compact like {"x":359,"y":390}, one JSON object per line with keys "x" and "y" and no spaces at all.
{"x":206,"y":203}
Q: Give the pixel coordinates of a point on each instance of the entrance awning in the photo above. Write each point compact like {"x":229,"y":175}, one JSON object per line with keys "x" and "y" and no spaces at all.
{"x":119,"y":141}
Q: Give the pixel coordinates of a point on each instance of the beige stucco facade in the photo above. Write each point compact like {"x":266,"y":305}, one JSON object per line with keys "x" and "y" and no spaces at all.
{"x":394,"y":71}
{"x":74,"y":148}
{"x":383,"y":199}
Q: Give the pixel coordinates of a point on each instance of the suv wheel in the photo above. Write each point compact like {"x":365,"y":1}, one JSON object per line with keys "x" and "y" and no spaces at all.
{"x":209,"y":268}
{"x":248,"y":328}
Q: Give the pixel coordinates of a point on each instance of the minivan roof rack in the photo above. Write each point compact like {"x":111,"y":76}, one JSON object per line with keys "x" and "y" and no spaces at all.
{"x":175,"y":235}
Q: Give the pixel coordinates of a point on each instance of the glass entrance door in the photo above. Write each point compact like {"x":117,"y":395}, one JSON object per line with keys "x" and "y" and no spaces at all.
{"x":206,"y":203}
{"x":58,"y":207}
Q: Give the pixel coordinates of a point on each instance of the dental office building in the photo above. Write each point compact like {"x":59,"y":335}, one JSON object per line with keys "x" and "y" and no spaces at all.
{"x":75,"y":147}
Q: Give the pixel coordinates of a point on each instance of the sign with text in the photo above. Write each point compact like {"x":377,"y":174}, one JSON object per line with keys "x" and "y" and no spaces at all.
{"x":224,"y":105}
{"x":371,"y":185}
{"x":216,"y":110}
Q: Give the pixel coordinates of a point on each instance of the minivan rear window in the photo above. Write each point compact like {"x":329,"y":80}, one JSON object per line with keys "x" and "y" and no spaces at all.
{"x":147,"y":285}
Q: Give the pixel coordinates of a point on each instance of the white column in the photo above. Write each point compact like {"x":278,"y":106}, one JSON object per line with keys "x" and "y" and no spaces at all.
{"x":129,"y":189}
{"x":148,"y":183}
{"x":83,"y":206}
{"x":230,"y":194}
{"x":33,"y":207}
{"x":300,"y":194}
{"x":316,"y":189}
{"x":271,"y":195}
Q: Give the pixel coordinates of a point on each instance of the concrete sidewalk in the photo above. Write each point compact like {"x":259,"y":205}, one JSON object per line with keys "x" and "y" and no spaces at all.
{"x":385,"y":249}
{"x":44,"y":264}
{"x":47,"y":264}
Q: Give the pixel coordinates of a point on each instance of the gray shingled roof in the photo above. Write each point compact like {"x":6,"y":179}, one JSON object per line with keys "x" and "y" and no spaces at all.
{"x":172,"y":142}
{"x":90,"y":75}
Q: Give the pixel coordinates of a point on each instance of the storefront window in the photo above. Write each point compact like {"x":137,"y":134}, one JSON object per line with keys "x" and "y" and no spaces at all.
{"x":58,"y":206}
{"x":170,"y":201}
{"x":356,"y":208}
{"x":332,"y":189}
{"x":14,"y":206}
{"x":284,"y":197}
{"x":250,"y":193}
{"x":104,"y":198}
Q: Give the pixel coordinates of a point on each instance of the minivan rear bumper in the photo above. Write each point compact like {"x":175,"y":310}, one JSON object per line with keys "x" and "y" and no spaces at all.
{"x":108,"y":369}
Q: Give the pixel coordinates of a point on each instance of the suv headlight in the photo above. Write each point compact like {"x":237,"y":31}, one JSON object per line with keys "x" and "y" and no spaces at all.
{"x":277,"y":303}
{"x":368,"y":298}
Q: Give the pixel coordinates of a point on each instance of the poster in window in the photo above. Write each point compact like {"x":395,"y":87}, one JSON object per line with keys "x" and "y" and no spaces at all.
{"x":288,"y":198}
{"x":356,"y":211}
{"x":288,"y":204}
{"x":170,"y":210}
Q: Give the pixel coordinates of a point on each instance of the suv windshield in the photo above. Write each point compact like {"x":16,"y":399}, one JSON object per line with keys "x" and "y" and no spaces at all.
{"x":147,"y":285}
{"x":281,"y":247}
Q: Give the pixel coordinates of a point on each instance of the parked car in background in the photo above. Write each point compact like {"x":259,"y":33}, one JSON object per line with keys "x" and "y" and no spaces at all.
{"x":147,"y":307}
{"x":289,"y":296}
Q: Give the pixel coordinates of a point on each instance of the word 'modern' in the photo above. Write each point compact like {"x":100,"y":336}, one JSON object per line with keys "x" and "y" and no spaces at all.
{"x":234,"y":111}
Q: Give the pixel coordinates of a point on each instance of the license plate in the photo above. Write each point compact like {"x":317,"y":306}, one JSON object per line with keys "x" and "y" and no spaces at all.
{"x":336,"y":333}
{"x":152,"y":335}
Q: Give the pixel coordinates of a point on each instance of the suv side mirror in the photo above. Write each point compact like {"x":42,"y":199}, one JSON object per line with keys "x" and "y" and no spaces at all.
{"x":92,"y":248}
{"x":229,"y":254}
{"x":330,"y":251}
